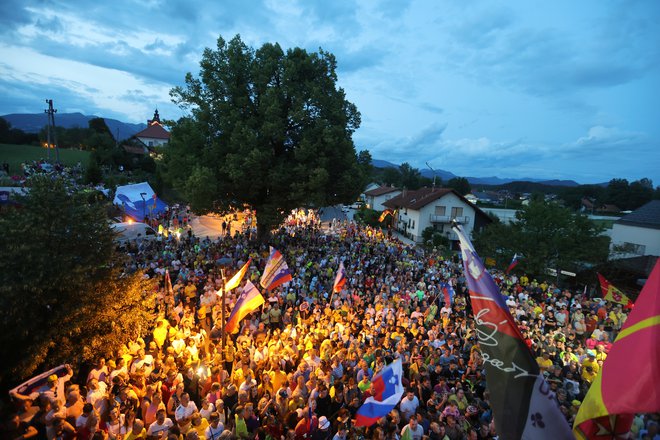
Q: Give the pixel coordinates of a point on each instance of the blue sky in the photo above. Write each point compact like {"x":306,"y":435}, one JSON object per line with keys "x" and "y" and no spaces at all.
{"x":557,"y":90}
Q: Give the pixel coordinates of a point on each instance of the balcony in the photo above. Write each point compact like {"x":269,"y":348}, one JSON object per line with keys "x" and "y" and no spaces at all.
{"x":447,"y":219}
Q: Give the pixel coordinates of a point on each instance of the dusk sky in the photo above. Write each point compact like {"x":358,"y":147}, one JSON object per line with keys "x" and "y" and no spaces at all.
{"x":556,"y":90}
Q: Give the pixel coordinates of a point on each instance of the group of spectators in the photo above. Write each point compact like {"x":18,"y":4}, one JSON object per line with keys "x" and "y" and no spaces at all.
{"x":302,"y":365}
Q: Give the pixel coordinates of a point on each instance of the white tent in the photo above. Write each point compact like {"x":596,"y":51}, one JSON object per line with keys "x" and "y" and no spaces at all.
{"x":133,"y":193}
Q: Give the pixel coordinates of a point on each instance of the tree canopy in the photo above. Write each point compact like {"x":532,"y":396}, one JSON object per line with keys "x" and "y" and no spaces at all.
{"x":60,"y":291}
{"x":548,"y":236}
{"x":269,"y":129}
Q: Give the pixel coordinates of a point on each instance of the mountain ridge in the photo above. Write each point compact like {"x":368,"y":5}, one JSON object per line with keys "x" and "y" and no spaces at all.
{"x":34,"y":122}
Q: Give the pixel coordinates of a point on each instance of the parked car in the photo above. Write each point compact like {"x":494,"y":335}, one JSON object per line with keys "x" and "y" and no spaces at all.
{"x":133,"y":231}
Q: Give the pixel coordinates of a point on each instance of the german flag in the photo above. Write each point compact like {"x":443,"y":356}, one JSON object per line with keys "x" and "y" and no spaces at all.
{"x":627,"y":383}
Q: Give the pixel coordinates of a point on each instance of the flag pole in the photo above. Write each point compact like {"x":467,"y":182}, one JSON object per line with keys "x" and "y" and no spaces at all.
{"x":222,"y":309}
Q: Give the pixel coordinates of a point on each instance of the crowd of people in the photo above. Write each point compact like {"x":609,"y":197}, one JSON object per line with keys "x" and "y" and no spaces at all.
{"x":301,"y":365}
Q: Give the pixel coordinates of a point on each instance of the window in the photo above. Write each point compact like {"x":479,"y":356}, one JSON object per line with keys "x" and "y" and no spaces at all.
{"x":413,"y":224}
{"x":634,"y":248}
{"x":456,"y":212}
{"x":440,"y":210}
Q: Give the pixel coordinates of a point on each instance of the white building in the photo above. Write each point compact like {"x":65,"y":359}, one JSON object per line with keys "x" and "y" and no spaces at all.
{"x":417,"y":210}
{"x":375,"y":197}
{"x":155,"y":134}
{"x":638,"y":233}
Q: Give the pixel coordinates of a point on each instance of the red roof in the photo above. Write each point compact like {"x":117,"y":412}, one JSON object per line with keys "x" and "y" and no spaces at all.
{"x":154,"y":131}
{"x":381,"y":190}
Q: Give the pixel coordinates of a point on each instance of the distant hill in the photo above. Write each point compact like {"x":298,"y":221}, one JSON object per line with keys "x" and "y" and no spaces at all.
{"x":490,"y":181}
{"x":34,"y":122}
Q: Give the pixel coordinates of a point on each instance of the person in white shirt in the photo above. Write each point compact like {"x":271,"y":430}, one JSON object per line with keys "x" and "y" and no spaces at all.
{"x":409,"y":405}
{"x":161,"y":427}
{"x":414,"y":429}
{"x":215,"y":428}
{"x":184,"y":411}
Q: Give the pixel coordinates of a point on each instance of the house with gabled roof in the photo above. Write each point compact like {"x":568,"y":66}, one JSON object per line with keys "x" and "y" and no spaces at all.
{"x":414,"y":211}
{"x":638,"y":233}
{"x":375,"y":197}
{"x":155,"y":134}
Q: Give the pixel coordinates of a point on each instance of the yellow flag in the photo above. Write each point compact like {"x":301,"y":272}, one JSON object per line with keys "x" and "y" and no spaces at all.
{"x":236,"y":279}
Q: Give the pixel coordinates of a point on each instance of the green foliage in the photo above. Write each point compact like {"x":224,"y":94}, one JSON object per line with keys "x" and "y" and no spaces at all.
{"x":368,"y":217}
{"x":403,"y":177}
{"x":98,"y":125}
{"x":9,"y":135}
{"x":434,"y":239}
{"x":269,"y":128}
{"x":548,"y":236}
{"x":60,"y":290}
{"x":93,"y":173}
{"x":460,"y":184}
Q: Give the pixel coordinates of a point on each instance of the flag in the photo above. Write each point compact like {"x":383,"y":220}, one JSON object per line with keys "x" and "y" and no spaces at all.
{"x":523,"y":405}
{"x":384,"y":215}
{"x":247,"y":303}
{"x":32,"y":386}
{"x":276,"y":272}
{"x":236,"y":279}
{"x":340,"y":278}
{"x":628,"y":382}
{"x":389,"y":389}
{"x":611,"y":293}
{"x":514,"y":263}
{"x":448,"y":293}
{"x":168,"y":283}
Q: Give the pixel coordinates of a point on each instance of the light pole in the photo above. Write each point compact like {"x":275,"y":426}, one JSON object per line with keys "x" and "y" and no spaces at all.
{"x":144,"y":206}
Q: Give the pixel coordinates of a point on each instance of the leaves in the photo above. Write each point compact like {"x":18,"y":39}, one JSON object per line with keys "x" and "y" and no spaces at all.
{"x":60,"y":285}
{"x":548,"y":236}
{"x":270,"y":129}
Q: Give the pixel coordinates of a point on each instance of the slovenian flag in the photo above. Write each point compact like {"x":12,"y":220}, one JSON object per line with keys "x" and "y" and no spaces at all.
{"x":340,"y":278}
{"x":523,"y":405}
{"x":236,"y":279}
{"x":389,"y":390}
{"x":448,"y":292}
{"x":247,"y":303}
{"x":514,"y":263}
{"x":276,"y":272}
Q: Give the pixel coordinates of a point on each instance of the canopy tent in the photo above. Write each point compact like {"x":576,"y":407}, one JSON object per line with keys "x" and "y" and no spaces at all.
{"x":139,"y":200}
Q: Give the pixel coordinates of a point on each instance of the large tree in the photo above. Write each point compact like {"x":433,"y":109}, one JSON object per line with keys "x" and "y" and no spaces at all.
{"x":548,"y":236}
{"x":269,"y":129}
{"x":61,"y":294}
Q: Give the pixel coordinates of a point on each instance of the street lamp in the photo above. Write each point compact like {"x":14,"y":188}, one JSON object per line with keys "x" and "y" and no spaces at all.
{"x":144,"y":206}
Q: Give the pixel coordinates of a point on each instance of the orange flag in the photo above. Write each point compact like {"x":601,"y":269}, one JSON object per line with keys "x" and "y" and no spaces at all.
{"x":627,"y":383}
{"x":236,"y":279}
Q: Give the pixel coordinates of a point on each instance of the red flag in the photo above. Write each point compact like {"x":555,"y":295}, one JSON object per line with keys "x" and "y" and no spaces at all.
{"x":627,"y":383}
{"x":611,"y":293}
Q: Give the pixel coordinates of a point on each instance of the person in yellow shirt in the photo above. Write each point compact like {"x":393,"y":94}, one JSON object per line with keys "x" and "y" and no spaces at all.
{"x":199,"y":425}
{"x":590,"y":367}
{"x":138,"y":431}
{"x":544,"y":361}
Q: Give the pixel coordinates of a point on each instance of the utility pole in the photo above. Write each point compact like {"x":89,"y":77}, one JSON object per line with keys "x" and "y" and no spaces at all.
{"x":51,"y":128}
{"x":434,"y":174}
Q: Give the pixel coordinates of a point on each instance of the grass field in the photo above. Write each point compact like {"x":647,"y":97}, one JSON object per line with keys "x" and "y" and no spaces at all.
{"x":14,"y":155}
